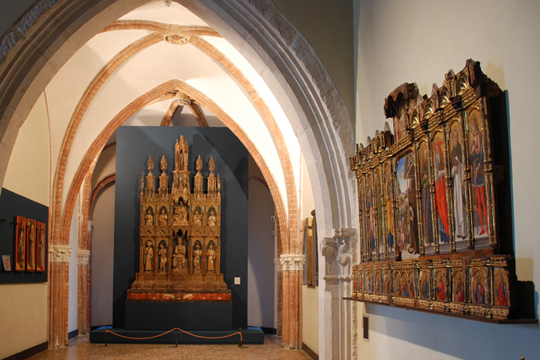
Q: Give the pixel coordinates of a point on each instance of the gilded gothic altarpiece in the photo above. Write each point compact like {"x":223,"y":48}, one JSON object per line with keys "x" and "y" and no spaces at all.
{"x":180,"y":234}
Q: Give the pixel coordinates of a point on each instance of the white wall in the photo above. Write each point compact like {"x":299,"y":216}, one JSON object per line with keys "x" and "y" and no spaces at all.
{"x":102,"y":258}
{"x":310,"y":295}
{"x":261,"y":254}
{"x":419,"y":41}
{"x":105,"y":166}
{"x":29,"y":165}
{"x":23,"y":307}
{"x":23,"y":314}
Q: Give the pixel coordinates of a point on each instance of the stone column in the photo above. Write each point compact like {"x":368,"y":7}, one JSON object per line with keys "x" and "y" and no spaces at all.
{"x":83,"y":254}
{"x":83,"y":292}
{"x":291,"y":267}
{"x":335,"y":320}
{"x":58,"y":294}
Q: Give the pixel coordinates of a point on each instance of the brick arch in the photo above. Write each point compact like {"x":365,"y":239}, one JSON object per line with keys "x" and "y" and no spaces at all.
{"x":107,"y":180}
{"x":32,"y":53}
{"x":292,"y":242}
{"x":89,"y":160}
{"x":76,"y":119}
{"x":144,"y":100}
{"x":291,"y":239}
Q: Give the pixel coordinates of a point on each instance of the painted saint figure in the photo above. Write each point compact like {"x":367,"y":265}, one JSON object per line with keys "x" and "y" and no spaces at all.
{"x":456,"y":161}
{"x":31,"y":246}
{"x":425,"y":288}
{"x":411,"y":286}
{"x":371,"y":220}
{"x":21,"y":246}
{"x":502,"y":292}
{"x":211,"y":255}
{"x":389,"y":210}
{"x":441,"y":289}
{"x":148,"y":257}
{"x":40,"y":255}
{"x":477,"y":170}
{"x":460,"y":289}
{"x":440,"y":193}
{"x":479,"y":291}
{"x":426,"y":200}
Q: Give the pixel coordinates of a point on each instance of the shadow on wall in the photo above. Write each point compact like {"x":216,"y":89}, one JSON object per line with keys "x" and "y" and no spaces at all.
{"x":461,"y":338}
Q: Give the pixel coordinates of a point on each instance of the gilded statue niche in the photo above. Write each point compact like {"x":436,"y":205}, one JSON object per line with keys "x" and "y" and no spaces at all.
{"x":180,"y":234}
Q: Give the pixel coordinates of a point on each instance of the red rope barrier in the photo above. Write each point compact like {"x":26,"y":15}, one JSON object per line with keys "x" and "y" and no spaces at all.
{"x":184,"y":331}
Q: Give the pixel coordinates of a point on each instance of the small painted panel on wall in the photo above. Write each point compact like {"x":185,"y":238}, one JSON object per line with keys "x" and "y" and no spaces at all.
{"x":23,"y":239}
{"x":20,"y":244}
{"x":40,"y":247}
{"x":30,"y":245}
{"x":6,"y":260}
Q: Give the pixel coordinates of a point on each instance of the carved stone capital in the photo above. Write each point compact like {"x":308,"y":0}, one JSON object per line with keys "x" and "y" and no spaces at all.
{"x":59,"y":253}
{"x":343,"y":233}
{"x":290,"y":262}
{"x":329,"y":247}
{"x":83,"y":257}
{"x":346,"y":255}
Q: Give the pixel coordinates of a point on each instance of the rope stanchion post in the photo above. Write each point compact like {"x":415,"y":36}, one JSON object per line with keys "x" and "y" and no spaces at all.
{"x":176,"y":337}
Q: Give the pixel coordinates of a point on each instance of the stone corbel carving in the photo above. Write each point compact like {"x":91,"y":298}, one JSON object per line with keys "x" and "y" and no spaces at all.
{"x":59,"y":253}
{"x":290,"y":262}
{"x":83,"y":257}
{"x":329,"y":250}
{"x":345,"y":240}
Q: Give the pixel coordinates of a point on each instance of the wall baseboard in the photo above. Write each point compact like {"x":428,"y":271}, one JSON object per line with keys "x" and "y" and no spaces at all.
{"x":310,"y":352}
{"x":268,"y":331}
{"x":29,"y":352}
{"x":72,"y":334}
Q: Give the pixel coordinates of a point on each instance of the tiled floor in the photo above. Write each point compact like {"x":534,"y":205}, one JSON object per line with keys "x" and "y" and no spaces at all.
{"x":81,"y":348}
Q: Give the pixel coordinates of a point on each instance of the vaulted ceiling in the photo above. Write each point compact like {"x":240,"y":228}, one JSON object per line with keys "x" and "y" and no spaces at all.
{"x":163,"y":66}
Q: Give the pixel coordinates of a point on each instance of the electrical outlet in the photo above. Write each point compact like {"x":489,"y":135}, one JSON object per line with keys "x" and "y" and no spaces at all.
{"x":236,"y":281}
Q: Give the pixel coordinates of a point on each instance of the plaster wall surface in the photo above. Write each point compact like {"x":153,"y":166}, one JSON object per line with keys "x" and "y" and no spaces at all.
{"x":333,"y":42}
{"x":101,"y":257}
{"x":23,"y":307}
{"x":310,"y":317}
{"x":261,"y":254}
{"x":105,"y":166}
{"x":28,"y":171}
{"x":418,"y":41}
{"x":11,"y":11}
{"x":310,"y":295}
{"x":23,"y":310}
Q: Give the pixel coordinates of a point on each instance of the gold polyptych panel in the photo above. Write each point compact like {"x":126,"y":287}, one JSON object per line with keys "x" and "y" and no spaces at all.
{"x":427,"y":206}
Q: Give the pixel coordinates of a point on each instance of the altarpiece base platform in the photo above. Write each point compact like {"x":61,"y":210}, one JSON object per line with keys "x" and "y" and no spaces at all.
{"x":152,"y":315}
{"x":251,"y":335}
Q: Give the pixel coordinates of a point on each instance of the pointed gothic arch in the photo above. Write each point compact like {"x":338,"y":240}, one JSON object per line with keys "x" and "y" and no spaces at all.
{"x":293,"y":73}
